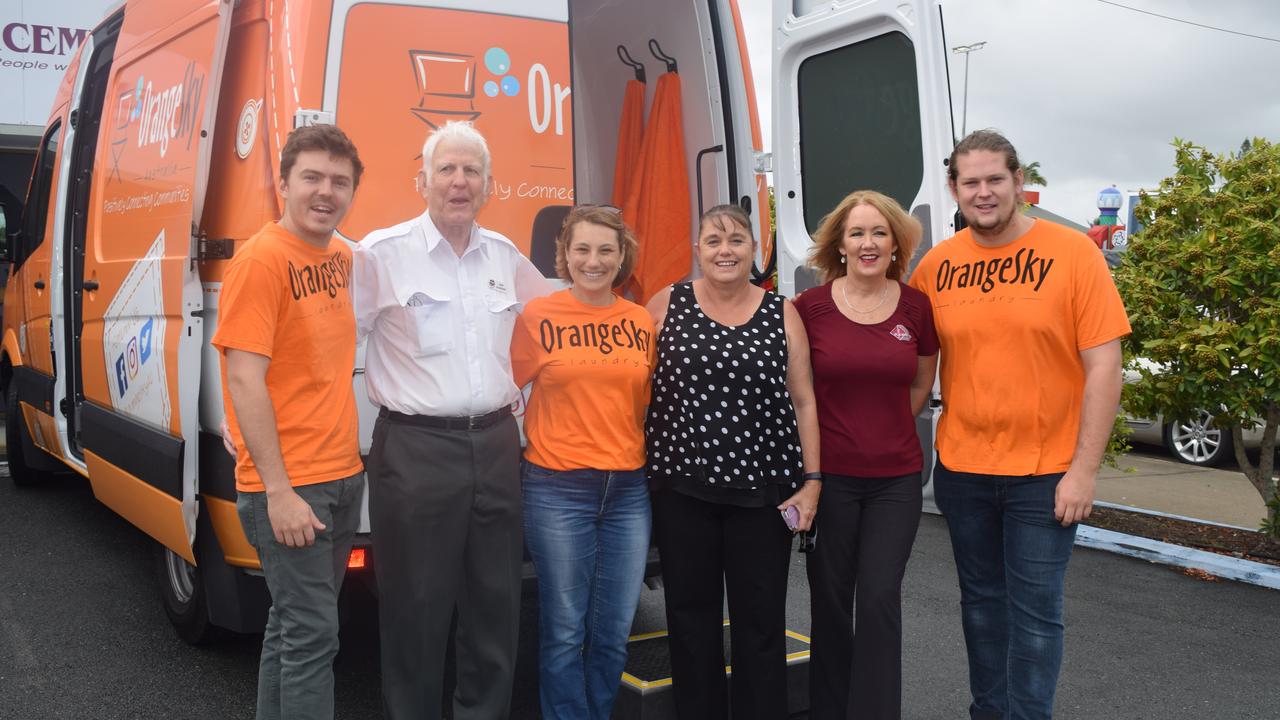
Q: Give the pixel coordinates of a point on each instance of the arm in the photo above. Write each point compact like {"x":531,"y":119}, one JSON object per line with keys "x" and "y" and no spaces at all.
{"x":372,"y":289}
{"x":657,"y":307}
{"x":530,"y":283}
{"x":1102,"y":380}
{"x":292,"y":520}
{"x":800,"y":386}
{"x":525,"y":352}
{"x":922,"y":383}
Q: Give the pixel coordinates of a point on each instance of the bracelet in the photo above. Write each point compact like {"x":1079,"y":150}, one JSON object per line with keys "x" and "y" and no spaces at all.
{"x":813,"y":476}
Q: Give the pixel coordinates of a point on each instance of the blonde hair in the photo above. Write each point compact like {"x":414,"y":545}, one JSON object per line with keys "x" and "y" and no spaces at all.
{"x":827,"y":241}
{"x":604,"y":216}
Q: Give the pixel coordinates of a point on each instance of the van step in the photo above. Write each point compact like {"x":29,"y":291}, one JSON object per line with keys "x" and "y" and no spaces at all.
{"x":646,"y":682}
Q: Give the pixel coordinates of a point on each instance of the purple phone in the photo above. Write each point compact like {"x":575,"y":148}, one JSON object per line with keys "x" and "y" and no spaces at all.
{"x":791,"y":517}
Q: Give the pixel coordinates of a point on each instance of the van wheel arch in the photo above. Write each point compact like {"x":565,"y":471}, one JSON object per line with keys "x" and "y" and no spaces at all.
{"x":15,"y":432}
{"x":182,"y":592}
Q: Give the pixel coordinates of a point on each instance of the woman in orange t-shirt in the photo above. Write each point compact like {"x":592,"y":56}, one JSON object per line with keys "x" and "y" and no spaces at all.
{"x":589,"y":354}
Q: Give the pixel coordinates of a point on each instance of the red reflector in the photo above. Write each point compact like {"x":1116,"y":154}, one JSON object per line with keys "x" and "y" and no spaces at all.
{"x":357,"y":559}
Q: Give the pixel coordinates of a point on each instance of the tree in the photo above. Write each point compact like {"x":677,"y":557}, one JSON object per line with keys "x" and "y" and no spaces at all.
{"x":1202,"y":286}
{"x":1031,"y":175}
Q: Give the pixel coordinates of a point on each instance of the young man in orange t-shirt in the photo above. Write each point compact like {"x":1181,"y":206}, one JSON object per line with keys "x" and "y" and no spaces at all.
{"x":1029,"y":323}
{"x":287,"y":334}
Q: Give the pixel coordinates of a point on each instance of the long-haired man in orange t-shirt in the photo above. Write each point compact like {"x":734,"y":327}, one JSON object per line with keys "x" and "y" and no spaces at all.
{"x":1029,"y":324}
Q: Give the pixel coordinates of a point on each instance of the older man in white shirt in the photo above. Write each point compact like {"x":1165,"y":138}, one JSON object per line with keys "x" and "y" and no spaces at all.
{"x":438,"y":296}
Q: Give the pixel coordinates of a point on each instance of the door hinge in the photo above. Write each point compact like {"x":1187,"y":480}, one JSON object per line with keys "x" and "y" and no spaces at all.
{"x":763,"y":162}
{"x":215,"y":248}
{"x":307,"y":118}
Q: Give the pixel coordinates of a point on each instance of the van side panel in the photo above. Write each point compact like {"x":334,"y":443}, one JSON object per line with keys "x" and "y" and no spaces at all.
{"x":151,"y":509}
{"x":297,"y":54}
{"x":141,"y":326}
{"x":34,"y":320}
{"x":407,"y":70}
{"x":241,"y":197}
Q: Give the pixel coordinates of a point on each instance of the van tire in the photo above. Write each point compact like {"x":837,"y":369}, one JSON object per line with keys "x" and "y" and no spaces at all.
{"x":14,"y":438}
{"x":183,"y":594}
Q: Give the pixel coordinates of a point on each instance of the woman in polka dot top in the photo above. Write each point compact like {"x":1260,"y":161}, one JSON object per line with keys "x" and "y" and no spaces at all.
{"x":731,"y":439}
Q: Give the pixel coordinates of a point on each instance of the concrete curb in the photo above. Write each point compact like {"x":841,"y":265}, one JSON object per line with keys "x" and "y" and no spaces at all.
{"x":1223,"y":566}
{"x":1157,"y":513}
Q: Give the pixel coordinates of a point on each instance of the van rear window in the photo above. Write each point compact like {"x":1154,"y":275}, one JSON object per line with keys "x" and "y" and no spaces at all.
{"x":860,"y":124}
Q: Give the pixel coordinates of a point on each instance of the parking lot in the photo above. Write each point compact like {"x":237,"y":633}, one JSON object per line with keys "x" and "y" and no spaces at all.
{"x":82,"y":633}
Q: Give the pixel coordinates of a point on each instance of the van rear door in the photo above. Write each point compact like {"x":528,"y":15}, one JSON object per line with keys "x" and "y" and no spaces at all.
{"x":860,"y":102}
{"x":141,"y":297}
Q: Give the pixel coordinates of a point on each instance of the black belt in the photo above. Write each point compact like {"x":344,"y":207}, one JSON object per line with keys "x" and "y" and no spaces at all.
{"x":466,"y":422}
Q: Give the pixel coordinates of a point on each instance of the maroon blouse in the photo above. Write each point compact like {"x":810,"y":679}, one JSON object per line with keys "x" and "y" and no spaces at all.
{"x":862,"y":379}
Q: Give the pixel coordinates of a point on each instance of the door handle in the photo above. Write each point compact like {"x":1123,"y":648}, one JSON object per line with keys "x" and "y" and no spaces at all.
{"x":90,"y":285}
{"x":39,"y":284}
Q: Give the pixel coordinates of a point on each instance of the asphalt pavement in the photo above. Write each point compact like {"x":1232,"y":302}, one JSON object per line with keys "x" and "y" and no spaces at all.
{"x":83,"y":635}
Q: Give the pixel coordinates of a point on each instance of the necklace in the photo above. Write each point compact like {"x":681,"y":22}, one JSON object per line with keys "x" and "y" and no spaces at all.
{"x":844,"y":292}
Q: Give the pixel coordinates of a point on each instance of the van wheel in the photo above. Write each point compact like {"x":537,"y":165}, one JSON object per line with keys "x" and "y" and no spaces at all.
{"x":14,"y":433}
{"x":183,"y":594}
{"x":1198,"y":441}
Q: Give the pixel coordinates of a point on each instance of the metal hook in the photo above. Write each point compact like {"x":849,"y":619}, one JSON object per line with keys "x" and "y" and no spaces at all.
{"x":626,"y":59}
{"x":656,"y":49}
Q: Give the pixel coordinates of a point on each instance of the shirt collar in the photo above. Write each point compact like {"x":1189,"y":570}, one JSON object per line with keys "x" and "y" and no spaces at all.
{"x":434,"y":237}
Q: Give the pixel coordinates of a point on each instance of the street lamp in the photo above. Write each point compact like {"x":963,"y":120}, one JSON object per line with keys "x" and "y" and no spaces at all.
{"x":964,"y":112}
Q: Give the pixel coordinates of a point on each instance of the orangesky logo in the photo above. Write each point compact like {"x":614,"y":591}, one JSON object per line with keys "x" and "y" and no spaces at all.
{"x":165,"y":114}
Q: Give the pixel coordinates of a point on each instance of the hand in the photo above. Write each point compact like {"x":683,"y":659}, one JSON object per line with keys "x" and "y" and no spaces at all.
{"x":227,"y":442}
{"x":292,"y":519}
{"x":1073,"y":499}
{"x":805,"y":501}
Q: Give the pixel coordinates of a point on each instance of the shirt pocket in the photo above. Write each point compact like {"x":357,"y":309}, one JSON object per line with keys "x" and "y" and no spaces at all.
{"x":502,"y":316}
{"x":431,"y":323}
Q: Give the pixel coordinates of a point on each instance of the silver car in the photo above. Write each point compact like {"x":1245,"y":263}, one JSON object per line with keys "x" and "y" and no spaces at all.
{"x":1196,"y":441}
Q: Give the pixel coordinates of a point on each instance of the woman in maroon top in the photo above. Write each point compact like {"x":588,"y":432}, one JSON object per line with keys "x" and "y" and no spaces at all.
{"x":874,"y":352}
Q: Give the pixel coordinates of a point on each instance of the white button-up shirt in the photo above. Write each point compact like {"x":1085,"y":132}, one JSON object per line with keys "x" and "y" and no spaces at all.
{"x":439,"y":325}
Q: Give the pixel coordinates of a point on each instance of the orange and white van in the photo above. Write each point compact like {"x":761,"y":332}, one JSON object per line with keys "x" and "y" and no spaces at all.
{"x":160,"y":158}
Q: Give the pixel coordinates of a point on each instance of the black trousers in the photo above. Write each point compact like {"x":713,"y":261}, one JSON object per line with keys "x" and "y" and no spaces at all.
{"x":445,"y":510}
{"x":866,"y":527}
{"x":707,"y":548}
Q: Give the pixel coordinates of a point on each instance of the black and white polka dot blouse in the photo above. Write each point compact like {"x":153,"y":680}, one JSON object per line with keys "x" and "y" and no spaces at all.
{"x":721,"y":426}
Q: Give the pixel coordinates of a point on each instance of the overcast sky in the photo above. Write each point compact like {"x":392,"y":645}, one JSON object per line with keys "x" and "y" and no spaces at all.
{"x":1096,"y":92}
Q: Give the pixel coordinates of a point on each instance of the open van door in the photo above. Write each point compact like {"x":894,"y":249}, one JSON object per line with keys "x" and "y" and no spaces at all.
{"x":860,"y":102}
{"x":132,"y":274}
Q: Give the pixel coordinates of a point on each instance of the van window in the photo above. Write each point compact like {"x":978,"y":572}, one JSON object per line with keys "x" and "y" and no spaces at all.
{"x":860,"y":124}
{"x":38,"y":195}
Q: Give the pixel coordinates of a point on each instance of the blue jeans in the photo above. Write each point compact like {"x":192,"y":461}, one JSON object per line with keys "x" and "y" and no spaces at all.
{"x":295,"y":672}
{"x":1011,"y":559}
{"x":588,"y":534}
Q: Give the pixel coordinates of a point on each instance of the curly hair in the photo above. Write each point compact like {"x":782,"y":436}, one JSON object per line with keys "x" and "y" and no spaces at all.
{"x":827,"y":241}
{"x":328,"y":138}
{"x":604,"y":216}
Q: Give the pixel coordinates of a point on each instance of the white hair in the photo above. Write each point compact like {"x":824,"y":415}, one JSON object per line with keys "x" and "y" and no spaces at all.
{"x":459,"y":132}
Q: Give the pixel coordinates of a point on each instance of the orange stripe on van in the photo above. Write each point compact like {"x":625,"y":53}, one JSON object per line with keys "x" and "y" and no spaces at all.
{"x":43,"y":431}
{"x":150,"y":509}
{"x":226,"y":526}
{"x":11,"y":348}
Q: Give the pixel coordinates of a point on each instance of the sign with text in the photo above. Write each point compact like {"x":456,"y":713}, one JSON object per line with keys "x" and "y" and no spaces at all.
{"x":37,"y":41}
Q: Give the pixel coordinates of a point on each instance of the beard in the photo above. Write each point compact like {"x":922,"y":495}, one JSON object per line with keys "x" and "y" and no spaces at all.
{"x":994,"y":227}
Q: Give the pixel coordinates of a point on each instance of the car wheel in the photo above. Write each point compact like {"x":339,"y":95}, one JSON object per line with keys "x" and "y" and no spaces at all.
{"x":1198,"y":441}
{"x":183,"y":594}
{"x":14,"y":434}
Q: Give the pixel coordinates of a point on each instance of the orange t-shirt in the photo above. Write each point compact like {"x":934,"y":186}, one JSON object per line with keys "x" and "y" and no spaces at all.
{"x":290,"y":301}
{"x":1011,"y":324}
{"x":590,"y":368}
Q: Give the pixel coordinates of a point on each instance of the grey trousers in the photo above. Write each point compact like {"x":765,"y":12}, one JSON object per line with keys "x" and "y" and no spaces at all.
{"x":445,"y":510}
{"x":295,"y":674}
